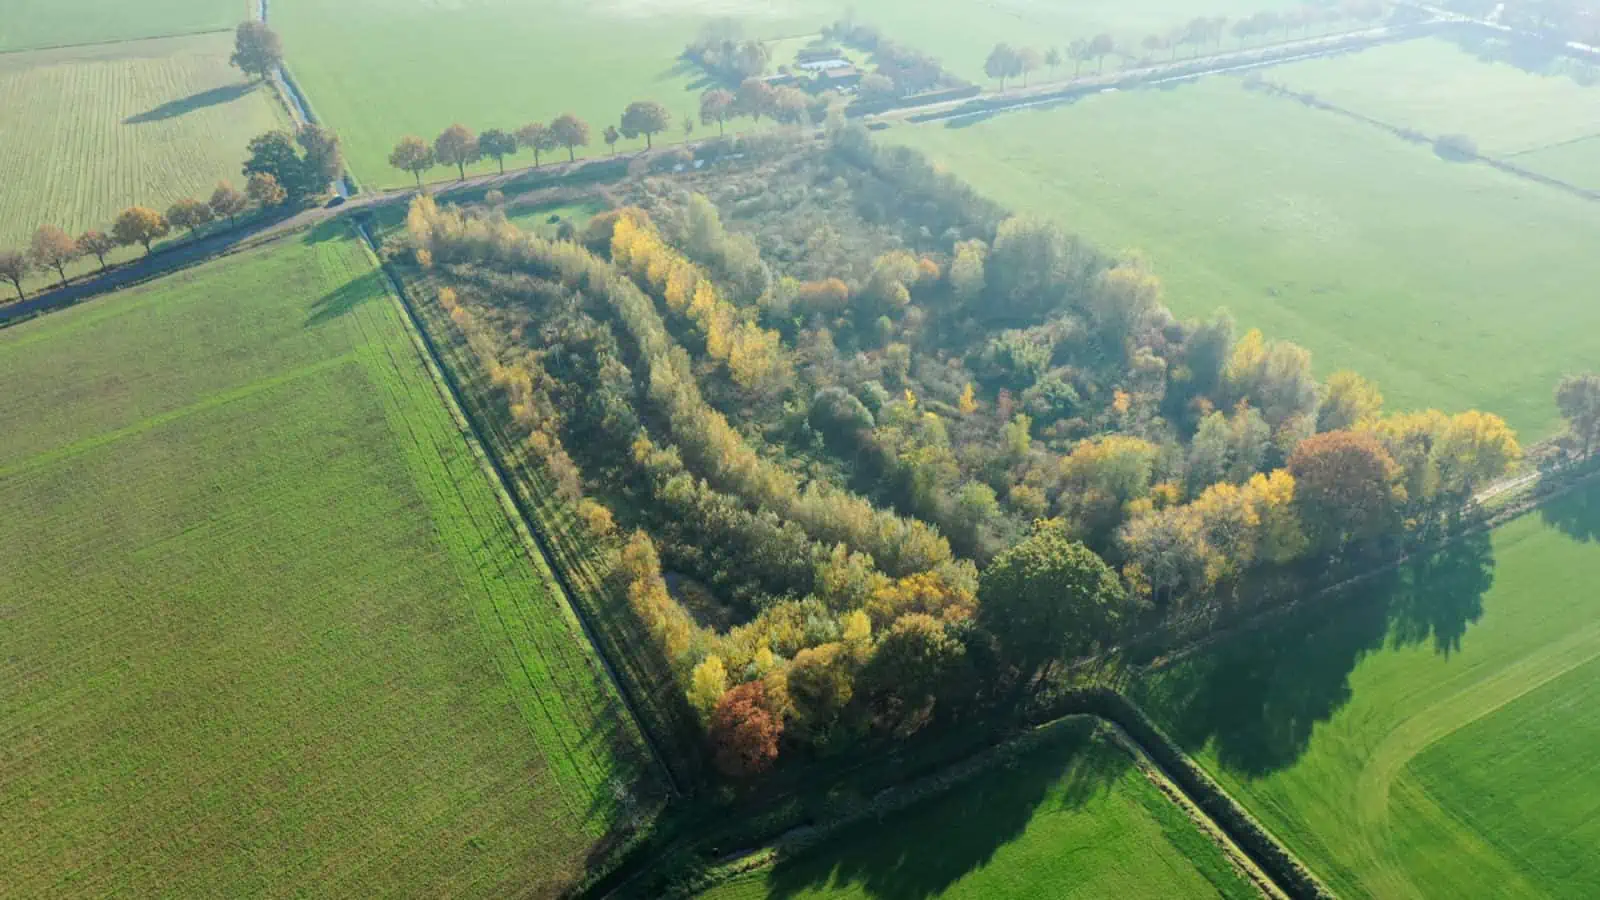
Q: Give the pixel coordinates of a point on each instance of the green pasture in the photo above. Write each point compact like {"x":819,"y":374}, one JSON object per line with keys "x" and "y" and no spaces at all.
{"x":1451,"y":284}
{"x":537,"y":219}
{"x":90,"y":131}
{"x":1577,"y":162}
{"x":32,"y":24}
{"x":377,"y":70}
{"x":267,"y":629}
{"x":1508,"y":98}
{"x":1071,"y":819}
{"x":1427,"y":736}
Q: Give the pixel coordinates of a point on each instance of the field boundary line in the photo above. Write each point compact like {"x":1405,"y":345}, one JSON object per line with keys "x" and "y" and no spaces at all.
{"x":111,"y":42}
{"x":521,"y":521}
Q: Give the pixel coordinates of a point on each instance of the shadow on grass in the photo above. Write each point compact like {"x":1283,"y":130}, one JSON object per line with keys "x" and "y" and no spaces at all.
{"x":346,"y":298}
{"x":1257,"y":698}
{"x":921,"y":851}
{"x":1577,"y":514}
{"x":172,"y":109}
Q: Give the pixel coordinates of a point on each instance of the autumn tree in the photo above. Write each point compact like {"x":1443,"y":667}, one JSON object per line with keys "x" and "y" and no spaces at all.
{"x":257,"y":49}
{"x":716,"y":106}
{"x":412,"y":155}
{"x":140,"y":225}
{"x":97,"y":244}
{"x":497,"y":144}
{"x":1345,"y":488}
{"x":456,"y":146}
{"x":189,"y":214}
{"x":303,"y":163}
{"x":538,"y":137}
{"x":1028,"y":61}
{"x":1003,"y":62}
{"x":647,"y":118}
{"x":1476,"y":447}
{"x":53,"y":248}
{"x":570,"y":132}
{"x":707,"y":683}
{"x":790,"y":105}
{"x":1049,"y":598}
{"x":265,"y":190}
{"x":611,"y":135}
{"x":915,"y":663}
{"x":1100,"y":47}
{"x":754,"y":99}
{"x":1578,"y":398}
{"x":1166,"y":556}
{"x":821,"y":684}
{"x":744,"y":733}
{"x":1348,"y":401}
{"x":14,"y":267}
{"x":878,"y":88}
{"x":227,"y":202}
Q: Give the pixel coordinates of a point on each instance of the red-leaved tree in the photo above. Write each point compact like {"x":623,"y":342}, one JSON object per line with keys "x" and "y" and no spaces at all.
{"x":744,"y":734}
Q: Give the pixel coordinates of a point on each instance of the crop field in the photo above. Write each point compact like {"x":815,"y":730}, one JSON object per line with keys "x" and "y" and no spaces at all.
{"x":1375,"y":254}
{"x":420,"y":65}
{"x":1508,"y":105}
{"x":1073,"y":818}
{"x":33,"y":24}
{"x":1432,"y":736}
{"x":114,"y":125}
{"x":267,"y":628}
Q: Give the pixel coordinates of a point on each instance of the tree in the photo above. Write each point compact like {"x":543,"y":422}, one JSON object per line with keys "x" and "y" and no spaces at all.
{"x":228,"y":203}
{"x":1053,"y":59}
{"x":821,"y":684}
{"x":1345,"y":488}
{"x":53,"y":248}
{"x":98,"y":244}
{"x":876,"y":88}
{"x":915,"y":663}
{"x":611,"y":135}
{"x":688,"y":127}
{"x":322,"y":161}
{"x":1078,"y":52}
{"x":1028,"y":62}
{"x":1578,"y":398}
{"x":754,"y":99}
{"x":707,"y":683}
{"x":412,"y":155}
{"x":1101,"y":46}
{"x":537,"y":136}
{"x":257,"y":49}
{"x":716,"y":105}
{"x":570,"y":132}
{"x":303,"y":164}
{"x":1348,"y":401}
{"x":744,"y":733}
{"x":456,"y":146}
{"x":967,"y":271}
{"x":14,"y":267}
{"x":265,"y":190}
{"x":140,"y":225}
{"x":1003,"y":63}
{"x":790,"y":105}
{"x":1049,"y":598}
{"x":497,"y":144}
{"x":188,"y":214}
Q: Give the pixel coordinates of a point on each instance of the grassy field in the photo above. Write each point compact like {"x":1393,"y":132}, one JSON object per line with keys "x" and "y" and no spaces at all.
{"x":114,"y":125}
{"x":1375,"y":254}
{"x":1438,"y":86}
{"x":1431,"y":737}
{"x":1576,"y":163}
{"x":267,"y":628}
{"x":31,"y":24}
{"x":1073,"y":818}
{"x":377,"y":70}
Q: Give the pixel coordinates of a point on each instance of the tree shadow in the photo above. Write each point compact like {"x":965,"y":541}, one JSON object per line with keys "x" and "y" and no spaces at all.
{"x":1258,"y":697}
{"x":916,"y":853}
{"x":346,"y":298}
{"x":1536,"y":57}
{"x":172,"y":109}
{"x":1576,"y":514}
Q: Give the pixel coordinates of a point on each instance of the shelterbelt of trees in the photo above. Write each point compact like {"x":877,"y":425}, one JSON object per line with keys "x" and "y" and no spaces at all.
{"x":880,"y":454}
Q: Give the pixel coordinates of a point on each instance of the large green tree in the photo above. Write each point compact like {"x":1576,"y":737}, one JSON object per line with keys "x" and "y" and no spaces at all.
{"x":647,"y":118}
{"x":1049,"y":598}
{"x":456,"y":146}
{"x":257,"y":49}
{"x":497,"y":144}
{"x":570,"y":132}
{"x":303,"y":164}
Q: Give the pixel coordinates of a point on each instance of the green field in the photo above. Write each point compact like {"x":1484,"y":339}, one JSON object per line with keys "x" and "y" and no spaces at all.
{"x":1073,"y":818}
{"x":377,"y":70}
{"x":267,"y":629}
{"x":1438,"y":87}
{"x":1375,"y":254}
{"x":31,"y":24}
{"x":1432,"y":736}
{"x":1577,"y":162}
{"x":117,"y":125}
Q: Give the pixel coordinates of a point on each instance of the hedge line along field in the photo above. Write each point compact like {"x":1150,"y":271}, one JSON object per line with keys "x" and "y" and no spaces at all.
{"x":1431,"y":736}
{"x":419,"y":65}
{"x":1070,"y":818}
{"x":34,"y":24}
{"x":1373,"y":253}
{"x":267,"y":628}
{"x":98,"y":129}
